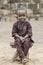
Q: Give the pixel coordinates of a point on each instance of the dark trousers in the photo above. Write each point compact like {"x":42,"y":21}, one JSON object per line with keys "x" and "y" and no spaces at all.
{"x":22,"y":47}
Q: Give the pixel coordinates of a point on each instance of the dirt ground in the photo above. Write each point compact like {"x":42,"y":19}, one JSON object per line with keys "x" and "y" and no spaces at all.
{"x":35,"y":53}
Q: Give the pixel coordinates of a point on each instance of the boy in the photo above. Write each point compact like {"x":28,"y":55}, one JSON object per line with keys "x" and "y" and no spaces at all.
{"x":22,"y":33}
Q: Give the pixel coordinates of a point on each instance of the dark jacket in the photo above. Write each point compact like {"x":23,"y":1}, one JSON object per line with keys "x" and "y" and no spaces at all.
{"x":22,"y":28}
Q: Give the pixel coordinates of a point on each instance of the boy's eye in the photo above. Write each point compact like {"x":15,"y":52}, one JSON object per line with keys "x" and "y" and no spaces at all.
{"x":21,"y":15}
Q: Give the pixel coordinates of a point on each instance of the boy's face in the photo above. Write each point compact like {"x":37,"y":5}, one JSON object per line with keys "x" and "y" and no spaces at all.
{"x":22,"y":17}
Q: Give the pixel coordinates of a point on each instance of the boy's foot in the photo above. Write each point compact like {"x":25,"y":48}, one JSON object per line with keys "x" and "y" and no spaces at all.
{"x":25,"y":60}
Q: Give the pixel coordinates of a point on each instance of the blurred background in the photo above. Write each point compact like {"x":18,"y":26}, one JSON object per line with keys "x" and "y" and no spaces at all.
{"x":8,"y":8}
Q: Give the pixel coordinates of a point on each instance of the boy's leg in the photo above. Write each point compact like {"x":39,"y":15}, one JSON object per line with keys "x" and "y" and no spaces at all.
{"x":27,"y":55}
{"x":19,"y":48}
{"x":26,"y":46}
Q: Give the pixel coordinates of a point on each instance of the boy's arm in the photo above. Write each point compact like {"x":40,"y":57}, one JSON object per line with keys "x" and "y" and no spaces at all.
{"x":29,"y":31}
{"x":29,"y":34}
{"x":14,"y":31}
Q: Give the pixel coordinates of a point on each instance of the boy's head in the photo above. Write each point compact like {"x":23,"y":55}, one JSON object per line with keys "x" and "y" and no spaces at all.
{"x":21,"y":14}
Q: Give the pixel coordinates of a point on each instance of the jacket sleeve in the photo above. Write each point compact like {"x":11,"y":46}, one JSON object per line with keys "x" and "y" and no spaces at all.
{"x":14,"y":30}
{"x":29,"y":30}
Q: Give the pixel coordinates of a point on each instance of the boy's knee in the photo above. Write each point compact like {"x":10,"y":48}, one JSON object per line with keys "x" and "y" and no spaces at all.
{"x":17,"y":40}
{"x":27,"y":40}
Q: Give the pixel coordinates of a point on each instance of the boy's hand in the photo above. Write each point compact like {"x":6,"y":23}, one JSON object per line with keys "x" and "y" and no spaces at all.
{"x":22,"y":38}
{"x":26,"y":36}
{"x":17,"y":35}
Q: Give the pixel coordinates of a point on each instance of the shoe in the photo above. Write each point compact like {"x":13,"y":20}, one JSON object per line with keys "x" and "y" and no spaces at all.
{"x":25,"y":60}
